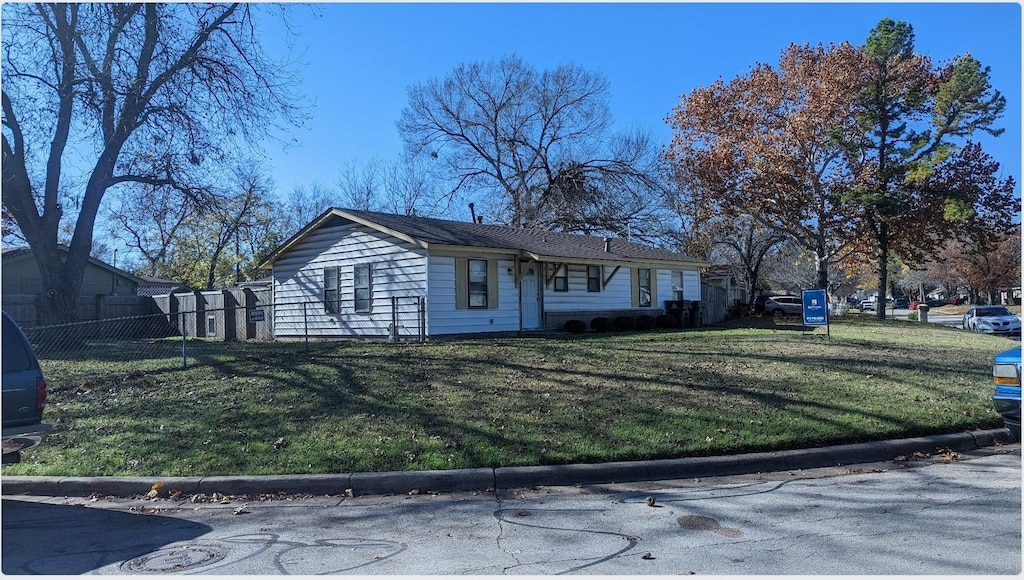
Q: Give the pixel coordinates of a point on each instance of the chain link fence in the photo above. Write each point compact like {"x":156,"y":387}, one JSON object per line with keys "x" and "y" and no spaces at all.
{"x":184,"y":337}
{"x":393,"y":319}
{"x":150,"y":336}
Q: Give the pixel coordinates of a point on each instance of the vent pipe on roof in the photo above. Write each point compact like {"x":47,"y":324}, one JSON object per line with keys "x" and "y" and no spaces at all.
{"x":608,"y":244}
{"x":472,"y":212}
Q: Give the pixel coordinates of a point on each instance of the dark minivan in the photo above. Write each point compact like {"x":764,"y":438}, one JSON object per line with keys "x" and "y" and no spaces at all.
{"x":24,"y":394}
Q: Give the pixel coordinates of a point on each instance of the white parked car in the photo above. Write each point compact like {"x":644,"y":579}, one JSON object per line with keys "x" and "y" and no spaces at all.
{"x":779,"y":305}
{"x":991,"y":320}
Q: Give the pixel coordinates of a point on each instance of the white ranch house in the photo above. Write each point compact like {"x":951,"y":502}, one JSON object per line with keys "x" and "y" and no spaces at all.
{"x":338,"y":277}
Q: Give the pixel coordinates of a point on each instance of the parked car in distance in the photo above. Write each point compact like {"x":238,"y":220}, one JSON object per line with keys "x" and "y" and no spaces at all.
{"x":1006,"y":399}
{"x":872,"y":304}
{"x":24,"y":394}
{"x":936,"y":303}
{"x":778,"y":305}
{"x":902,"y":303}
{"x":914,"y":304}
{"x":991,"y":320}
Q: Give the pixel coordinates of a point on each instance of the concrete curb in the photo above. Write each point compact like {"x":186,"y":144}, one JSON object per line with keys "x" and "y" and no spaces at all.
{"x":511,"y":477}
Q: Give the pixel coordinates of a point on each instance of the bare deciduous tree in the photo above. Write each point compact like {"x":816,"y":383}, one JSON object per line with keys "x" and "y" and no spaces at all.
{"x":399,"y":186}
{"x":153,"y":94}
{"x":533,"y":148}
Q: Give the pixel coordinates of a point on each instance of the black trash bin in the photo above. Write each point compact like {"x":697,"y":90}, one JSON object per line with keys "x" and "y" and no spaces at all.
{"x":675,"y":309}
{"x":695,"y":314}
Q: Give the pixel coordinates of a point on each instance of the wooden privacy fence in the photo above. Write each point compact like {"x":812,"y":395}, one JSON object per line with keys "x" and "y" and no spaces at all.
{"x":237,"y":314}
{"x":715,"y":303}
{"x":22,"y":308}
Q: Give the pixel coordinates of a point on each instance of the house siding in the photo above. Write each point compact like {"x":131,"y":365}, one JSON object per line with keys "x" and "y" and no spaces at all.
{"x":691,"y":285}
{"x":398,"y":268}
{"x":617,"y":294}
{"x":444,"y":318}
{"x":616,"y":299}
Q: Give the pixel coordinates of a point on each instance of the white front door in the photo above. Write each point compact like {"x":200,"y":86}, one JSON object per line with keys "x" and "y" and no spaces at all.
{"x":529,"y":297}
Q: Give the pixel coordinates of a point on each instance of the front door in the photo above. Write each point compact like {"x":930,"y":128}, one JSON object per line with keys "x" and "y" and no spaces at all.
{"x":529,"y":297}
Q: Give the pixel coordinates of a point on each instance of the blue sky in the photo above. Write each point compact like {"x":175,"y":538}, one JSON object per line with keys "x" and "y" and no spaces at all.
{"x":358,"y":60}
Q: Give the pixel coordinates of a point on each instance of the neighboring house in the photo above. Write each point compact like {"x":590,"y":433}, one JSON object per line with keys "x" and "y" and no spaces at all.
{"x":106,"y":292}
{"x":153,"y":286}
{"x":724,"y":276}
{"x":338,"y":275}
{"x":21,"y":276}
{"x":1010,"y":296}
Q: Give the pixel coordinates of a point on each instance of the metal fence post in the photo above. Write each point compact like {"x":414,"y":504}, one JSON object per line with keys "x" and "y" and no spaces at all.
{"x":421,"y":315}
{"x":184,"y":355}
{"x":393,"y":335}
{"x":305,"y":325}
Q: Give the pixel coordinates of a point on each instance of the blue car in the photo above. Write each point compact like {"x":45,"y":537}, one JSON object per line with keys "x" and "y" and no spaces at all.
{"x":1006,"y":376}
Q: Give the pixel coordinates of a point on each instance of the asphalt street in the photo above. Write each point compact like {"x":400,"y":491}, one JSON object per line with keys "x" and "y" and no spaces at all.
{"x":941,"y":514}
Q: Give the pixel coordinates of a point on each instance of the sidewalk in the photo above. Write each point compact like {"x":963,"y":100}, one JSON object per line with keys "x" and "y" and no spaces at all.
{"x":360,"y":484}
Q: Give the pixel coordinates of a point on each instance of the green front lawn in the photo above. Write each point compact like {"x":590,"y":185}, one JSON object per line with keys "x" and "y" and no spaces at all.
{"x":342,"y":407}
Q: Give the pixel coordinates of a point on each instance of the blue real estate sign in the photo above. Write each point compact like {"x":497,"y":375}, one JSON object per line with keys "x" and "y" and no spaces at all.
{"x":815,"y":308}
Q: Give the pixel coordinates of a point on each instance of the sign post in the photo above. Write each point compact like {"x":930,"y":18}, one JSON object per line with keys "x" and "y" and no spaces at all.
{"x":815,"y":309}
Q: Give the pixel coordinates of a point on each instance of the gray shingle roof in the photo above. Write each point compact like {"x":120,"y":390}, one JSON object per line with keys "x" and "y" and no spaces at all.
{"x":537,"y":242}
{"x":16,"y":251}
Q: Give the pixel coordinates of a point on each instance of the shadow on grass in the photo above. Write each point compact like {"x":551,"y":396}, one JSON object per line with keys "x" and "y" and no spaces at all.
{"x":497,"y":402}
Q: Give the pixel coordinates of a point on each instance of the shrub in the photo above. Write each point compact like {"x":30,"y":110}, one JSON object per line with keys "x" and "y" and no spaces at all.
{"x":623,"y":323}
{"x":575,"y":326}
{"x":912,"y":315}
{"x":666,"y":321}
{"x":600,"y":324}
{"x":644,"y":322}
